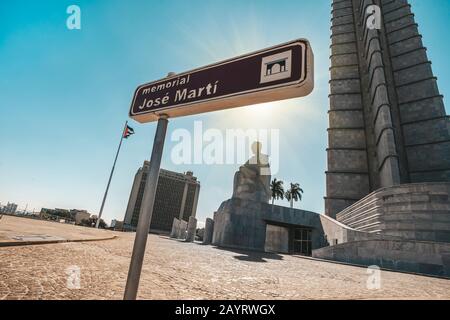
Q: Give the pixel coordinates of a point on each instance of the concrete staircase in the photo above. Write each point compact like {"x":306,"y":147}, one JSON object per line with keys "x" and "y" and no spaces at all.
{"x":410,"y":229}
{"x":427,"y":258}
{"x":411,"y":211}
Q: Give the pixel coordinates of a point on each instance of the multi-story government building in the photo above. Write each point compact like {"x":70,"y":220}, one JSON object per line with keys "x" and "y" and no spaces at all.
{"x":176,"y":197}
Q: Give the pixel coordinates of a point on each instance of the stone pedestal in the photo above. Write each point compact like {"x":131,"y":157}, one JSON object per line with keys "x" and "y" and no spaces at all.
{"x":238,"y":224}
{"x":175,"y":226}
{"x":208,"y":233}
{"x":181,"y":232}
{"x":191,"y":229}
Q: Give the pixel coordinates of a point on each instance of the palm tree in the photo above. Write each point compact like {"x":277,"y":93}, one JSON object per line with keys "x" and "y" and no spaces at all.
{"x":294,"y":193}
{"x":276,"y":186}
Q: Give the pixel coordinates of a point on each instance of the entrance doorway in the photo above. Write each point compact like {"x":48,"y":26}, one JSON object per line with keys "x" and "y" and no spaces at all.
{"x":301,"y":241}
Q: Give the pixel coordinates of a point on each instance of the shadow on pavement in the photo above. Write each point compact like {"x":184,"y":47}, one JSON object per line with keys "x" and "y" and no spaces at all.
{"x":253,"y":256}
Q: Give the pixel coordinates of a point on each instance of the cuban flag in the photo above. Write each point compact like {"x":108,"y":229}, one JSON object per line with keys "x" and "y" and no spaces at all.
{"x":128,"y":132}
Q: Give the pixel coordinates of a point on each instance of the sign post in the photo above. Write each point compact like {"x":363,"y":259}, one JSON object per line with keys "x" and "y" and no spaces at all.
{"x":280,"y":72}
{"x":145,"y":216}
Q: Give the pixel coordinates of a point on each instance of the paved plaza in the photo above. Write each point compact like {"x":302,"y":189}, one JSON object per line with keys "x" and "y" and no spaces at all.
{"x":15,"y":230}
{"x":178,"y":270}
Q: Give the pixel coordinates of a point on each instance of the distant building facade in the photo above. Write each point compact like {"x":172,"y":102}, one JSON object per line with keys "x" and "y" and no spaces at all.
{"x":10,"y":208}
{"x":69,"y":216}
{"x":80,"y":215}
{"x":55,"y":214}
{"x":116,"y":225}
{"x":176,"y":197}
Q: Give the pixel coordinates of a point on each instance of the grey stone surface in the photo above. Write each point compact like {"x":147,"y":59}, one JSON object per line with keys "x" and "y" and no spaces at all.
{"x":277,"y":239}
{"x":179,"y":229}
{"x":430,"y":258}
{"x":252,"y":181}
{"x":243,"y":224}
{"x":182,"y":228}
{"x":191,"y":229}
{"x":414,"y":211}
{"x":175,"y":226}
{"x":391,"y":107}
{"x":237,"y":224}
{"x":209,"y":230}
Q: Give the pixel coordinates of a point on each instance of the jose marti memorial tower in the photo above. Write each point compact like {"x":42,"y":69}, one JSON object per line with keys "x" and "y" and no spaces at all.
{"x":388,"y":179}
{"x":387,"y":121}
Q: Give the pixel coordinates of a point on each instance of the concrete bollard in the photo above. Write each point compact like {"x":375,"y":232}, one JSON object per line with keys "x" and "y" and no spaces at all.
{"x":181,"y":234}
{"x":191,"y":229}
{"x":175,"y":226}
{"x":209,"y":229}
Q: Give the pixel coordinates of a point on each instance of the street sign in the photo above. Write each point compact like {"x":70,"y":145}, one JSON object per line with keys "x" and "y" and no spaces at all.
{"x":281,"y":72}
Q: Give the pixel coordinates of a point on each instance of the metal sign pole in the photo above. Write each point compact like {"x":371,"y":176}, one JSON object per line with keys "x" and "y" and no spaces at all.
{"x":145,"y":216}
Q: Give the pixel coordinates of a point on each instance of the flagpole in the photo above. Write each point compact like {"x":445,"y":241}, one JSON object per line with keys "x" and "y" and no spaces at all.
{"x":110,"y":177}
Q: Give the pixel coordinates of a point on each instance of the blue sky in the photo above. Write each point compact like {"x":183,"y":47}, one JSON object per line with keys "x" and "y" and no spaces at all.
{"x":65,"y":94}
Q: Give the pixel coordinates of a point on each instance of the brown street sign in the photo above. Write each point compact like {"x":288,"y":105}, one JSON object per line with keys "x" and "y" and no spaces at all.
{"x":281,"y":72}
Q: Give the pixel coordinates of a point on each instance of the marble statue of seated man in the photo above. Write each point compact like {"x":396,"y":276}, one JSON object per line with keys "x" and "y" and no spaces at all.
{"x":252,"y":181}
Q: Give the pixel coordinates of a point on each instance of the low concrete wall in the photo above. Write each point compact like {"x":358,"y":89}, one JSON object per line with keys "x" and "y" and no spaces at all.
{"x":336,"y":233}
{"x":429,"y":258}
{"x":325,"y":230}
{"x":242,"y":224}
